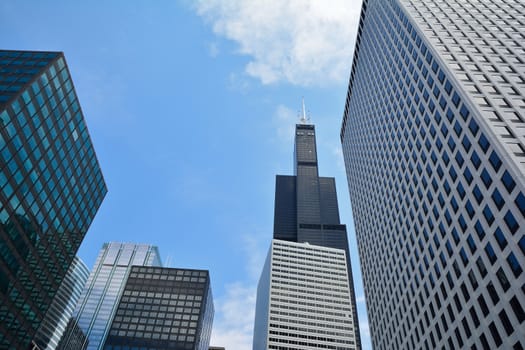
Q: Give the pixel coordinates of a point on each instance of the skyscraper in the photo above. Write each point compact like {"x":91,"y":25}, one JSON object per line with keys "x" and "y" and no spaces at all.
{"x":433,"y":141}
{"x":306,"y":211}
{"x":51,"y":187}
{"x":303,"y":299}
{"x":59,"y":314}
{"x":103,"y":290}
{"x":306,"y":208}
{"x":163,"y":308}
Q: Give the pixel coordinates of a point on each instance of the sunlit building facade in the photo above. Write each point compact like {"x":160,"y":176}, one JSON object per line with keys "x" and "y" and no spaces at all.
{"x":51,"y":187}
{"x":99,"y":300}
{"x":433,"y":138}
{"x":303,"y":300}
{"x":59,"y":314}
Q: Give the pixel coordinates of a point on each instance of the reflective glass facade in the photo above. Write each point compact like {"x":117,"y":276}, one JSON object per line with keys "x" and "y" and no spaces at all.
{"x":306,"y":208}
{"x":303,"y":300}
{"x":59,"y":314}
{"x":433,"y":140}
{"x":163,"y":309}
{"x":98,"y":302}
{"x":50,"y":187}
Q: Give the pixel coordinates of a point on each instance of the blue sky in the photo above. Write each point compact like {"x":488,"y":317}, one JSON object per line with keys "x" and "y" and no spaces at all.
{"x":191,"y":107}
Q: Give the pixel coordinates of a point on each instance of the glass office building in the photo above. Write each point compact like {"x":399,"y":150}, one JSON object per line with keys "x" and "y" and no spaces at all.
{"x":59,"y":314}
{"x":163,"y":308}
{"x":303,"y":300}
{"x":51,"y":187}
{"x":105,"y":285}
{"x":433,"y":138}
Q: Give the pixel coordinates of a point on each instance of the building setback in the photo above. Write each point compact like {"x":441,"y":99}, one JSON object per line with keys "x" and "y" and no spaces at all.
{"x":51,"y":187}
{"x":98,"y":303}
{"x":163,"y":308}
{"x":433,"y":138}
{"x":303,"y":299}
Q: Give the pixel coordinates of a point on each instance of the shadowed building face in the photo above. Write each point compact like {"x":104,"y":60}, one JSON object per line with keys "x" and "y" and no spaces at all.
{"x":51,"y":187}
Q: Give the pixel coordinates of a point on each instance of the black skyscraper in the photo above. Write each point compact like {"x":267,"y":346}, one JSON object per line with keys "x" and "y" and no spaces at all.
{"x":306,"y":208}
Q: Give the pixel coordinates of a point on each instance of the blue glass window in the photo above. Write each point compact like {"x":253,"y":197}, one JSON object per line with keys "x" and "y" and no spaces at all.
{"x":490,"y":253}
{"x":444,"y":131}
{"x":498,"y":199}
{"x":474,"y":158}
{"x":481,"y":267}
{"x":457,"y":128}
{"x":520,"y":203}
{"x":485,"y":177}
{"x":450,"y":115}
{"x":514,"y":264}
{"x":453,"y":174}
{"x":511,"y":222}
{"x":466,"y":143}
{"x":442,"y":102}
{"x":470,"y":209}
{"x":448,"y":87}
{"x":461,"y":190}
{"x":500,"y":238}
{"x":483,"y":143}
{"x":495,"y":161}
{"x":487,"y":213}
{"x":459,"y":159}
{"x":503,"y":280}
{"x":455,"y":234}
{"x":441,"y":75}
{"x":446,"y":158}
{"x":464,"y":112}
{"x":451,"y":144}
{"x":471,"y":244}
{"x":455,"y":99}
{"x":508,"y":181}
{"x":464,"y":256}
{"x":477,"y":194}
{"x":521,"y":243}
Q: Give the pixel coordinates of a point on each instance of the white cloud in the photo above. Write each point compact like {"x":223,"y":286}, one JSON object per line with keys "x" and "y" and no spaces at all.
{"x":360,"y":299}
{"x":235,"y":314}
{"x":302,"y":42}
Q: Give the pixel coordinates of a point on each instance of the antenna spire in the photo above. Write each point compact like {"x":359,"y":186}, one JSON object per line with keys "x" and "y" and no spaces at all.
{"x":304,"y":117}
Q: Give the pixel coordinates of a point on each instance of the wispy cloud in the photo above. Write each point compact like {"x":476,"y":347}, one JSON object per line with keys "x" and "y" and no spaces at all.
{"x":233,"y":326}
{"x":302,"y":42}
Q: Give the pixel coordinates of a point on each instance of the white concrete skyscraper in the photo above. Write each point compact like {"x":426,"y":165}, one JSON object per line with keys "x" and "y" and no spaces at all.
{"x":433,"y":138}
{"x":303,"y":300}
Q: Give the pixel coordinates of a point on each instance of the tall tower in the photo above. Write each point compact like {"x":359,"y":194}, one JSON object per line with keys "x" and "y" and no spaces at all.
{"x":306,"y":208}
{"x":433,"y":138}
{"x":306,"y":211}
{"x":51,"y":187}
{"x":99,"y":300}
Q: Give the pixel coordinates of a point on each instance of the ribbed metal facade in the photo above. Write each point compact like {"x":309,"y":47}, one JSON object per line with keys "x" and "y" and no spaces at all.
{"x":303,"y":300}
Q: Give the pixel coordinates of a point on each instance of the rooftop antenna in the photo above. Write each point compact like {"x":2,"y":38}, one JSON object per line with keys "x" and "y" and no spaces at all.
{"x":304,"y":117}
{"x":168,"y":261}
